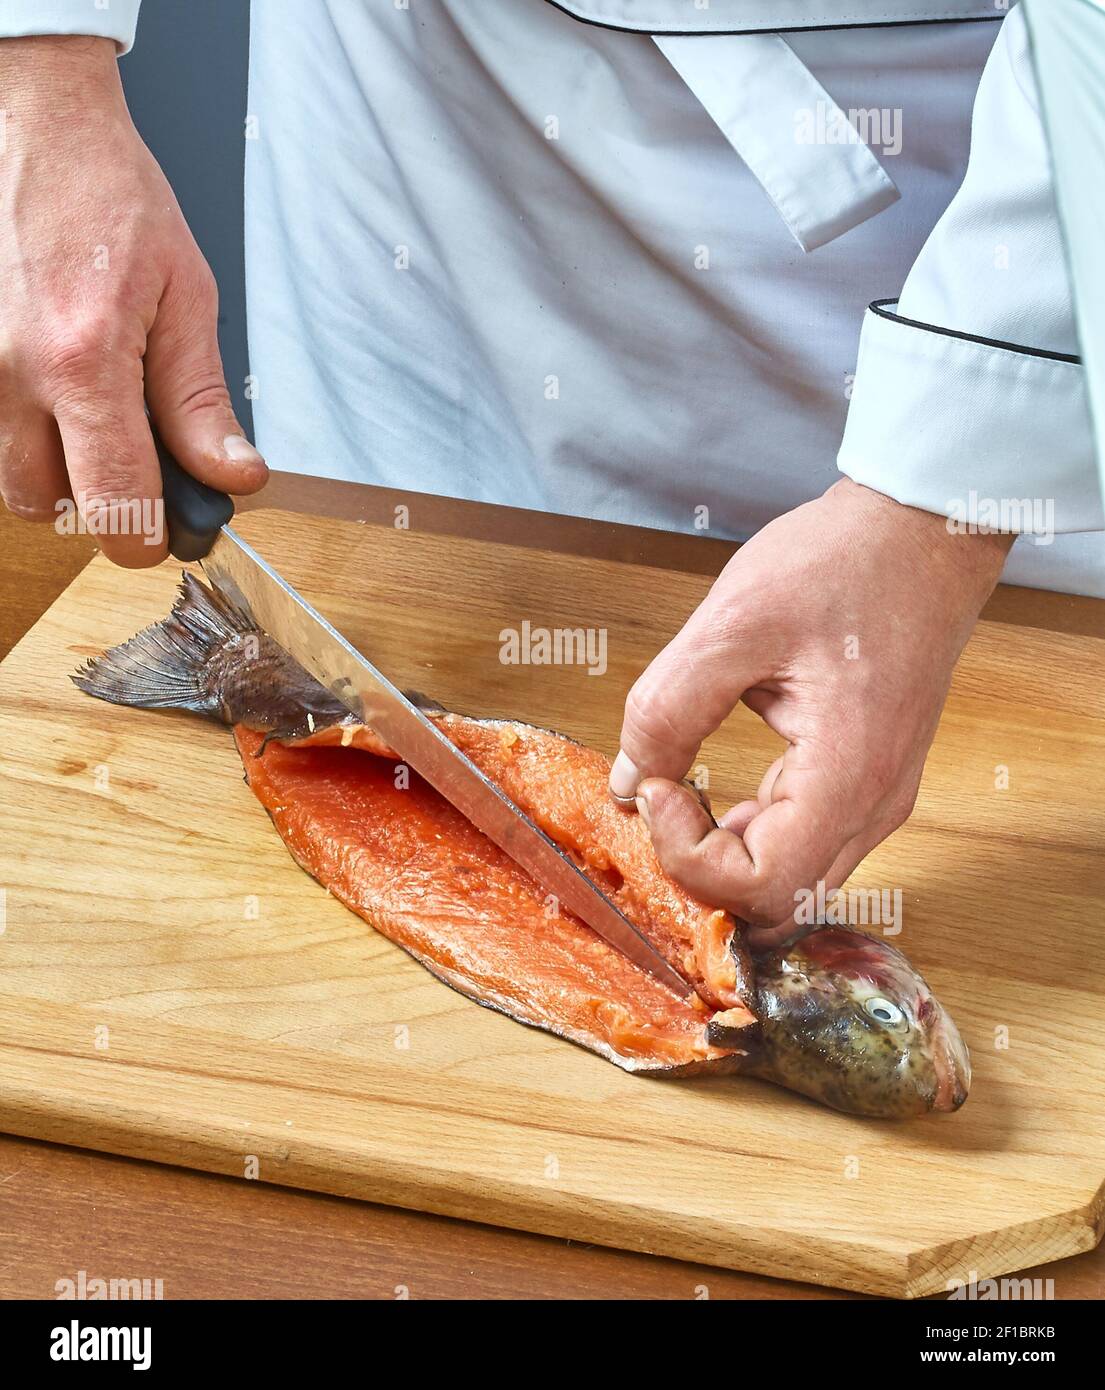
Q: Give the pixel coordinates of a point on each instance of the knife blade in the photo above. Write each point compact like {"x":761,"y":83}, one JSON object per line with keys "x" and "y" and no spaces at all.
{"x":198,"y":528}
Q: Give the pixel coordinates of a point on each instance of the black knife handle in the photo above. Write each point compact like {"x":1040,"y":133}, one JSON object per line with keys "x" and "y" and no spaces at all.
{"x":194,"y":512}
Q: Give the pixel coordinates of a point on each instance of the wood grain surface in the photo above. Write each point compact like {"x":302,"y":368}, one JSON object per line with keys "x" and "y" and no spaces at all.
{"x":206,"y":1236}
{"x":1002,"y":1144}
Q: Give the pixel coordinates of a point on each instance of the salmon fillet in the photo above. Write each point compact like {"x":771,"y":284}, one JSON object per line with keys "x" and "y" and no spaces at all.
{"x":398,"y":854}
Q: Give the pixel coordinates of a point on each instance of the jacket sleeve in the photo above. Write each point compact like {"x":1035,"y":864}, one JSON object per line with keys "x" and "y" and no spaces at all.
{"x":109,"y":19}
{"x":969,"y":387}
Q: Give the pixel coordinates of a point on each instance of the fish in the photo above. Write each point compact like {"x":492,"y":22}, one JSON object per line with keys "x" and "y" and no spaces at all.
{"x":834,"y":1014}
{"x":846,"y":1020}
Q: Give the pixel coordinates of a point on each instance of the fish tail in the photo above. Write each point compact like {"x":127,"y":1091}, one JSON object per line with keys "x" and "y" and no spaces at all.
{"x":165,"y":665}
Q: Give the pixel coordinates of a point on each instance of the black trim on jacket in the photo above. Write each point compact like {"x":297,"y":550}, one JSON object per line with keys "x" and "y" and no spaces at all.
{"x":785,"y":29}
{"x":878,"y":306}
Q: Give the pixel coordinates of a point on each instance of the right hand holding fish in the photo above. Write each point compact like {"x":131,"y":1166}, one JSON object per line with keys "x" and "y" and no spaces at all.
{"x":107,"y":305}
{"x":839,"y":624}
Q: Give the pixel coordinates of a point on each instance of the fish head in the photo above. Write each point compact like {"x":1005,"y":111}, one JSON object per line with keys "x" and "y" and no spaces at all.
{"x":845,"y":1019}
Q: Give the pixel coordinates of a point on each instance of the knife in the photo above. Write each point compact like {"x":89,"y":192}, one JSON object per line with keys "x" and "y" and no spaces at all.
{"x":197,"y":519}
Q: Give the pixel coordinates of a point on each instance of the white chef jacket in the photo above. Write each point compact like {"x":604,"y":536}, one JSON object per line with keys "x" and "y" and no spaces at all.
{"x":605,"y":258}
{"x":1068,"y":49}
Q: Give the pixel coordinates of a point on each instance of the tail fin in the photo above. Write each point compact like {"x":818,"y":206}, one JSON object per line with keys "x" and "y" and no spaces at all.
{"x":165,"y":665}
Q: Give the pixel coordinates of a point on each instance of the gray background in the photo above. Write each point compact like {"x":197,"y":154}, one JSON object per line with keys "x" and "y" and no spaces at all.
{"x":186,"y":81}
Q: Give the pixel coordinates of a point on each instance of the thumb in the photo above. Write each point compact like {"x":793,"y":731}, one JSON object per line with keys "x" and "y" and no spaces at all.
{"x":683,"y":696}
{"x":187,"y":394}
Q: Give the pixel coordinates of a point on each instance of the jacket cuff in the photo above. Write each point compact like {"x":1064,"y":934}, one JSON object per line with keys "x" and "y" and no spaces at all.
{"x":116,"y":20}
{"x":972,"y":428}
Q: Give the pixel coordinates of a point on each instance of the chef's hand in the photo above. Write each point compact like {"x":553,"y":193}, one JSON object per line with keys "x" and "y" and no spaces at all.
{"x":104,"y":298}
{"x":839,"y":625}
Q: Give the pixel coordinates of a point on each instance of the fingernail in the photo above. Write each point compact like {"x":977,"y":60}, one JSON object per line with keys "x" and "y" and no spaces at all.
{"x":642,"y":809}
{"x":238,"y":449}
{"x":624,"y":778}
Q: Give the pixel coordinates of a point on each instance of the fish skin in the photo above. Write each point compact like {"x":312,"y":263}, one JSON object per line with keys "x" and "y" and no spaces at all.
{"x":814,"y":1031}
{"x":208,"y":657}
{"x":818,"y":1034}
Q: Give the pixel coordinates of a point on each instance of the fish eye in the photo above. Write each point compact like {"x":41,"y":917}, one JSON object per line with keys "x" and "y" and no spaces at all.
{"x":883,"y":1011}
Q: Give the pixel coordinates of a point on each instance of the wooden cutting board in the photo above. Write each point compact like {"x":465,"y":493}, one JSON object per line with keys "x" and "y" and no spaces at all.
{"x":173,"y":987}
